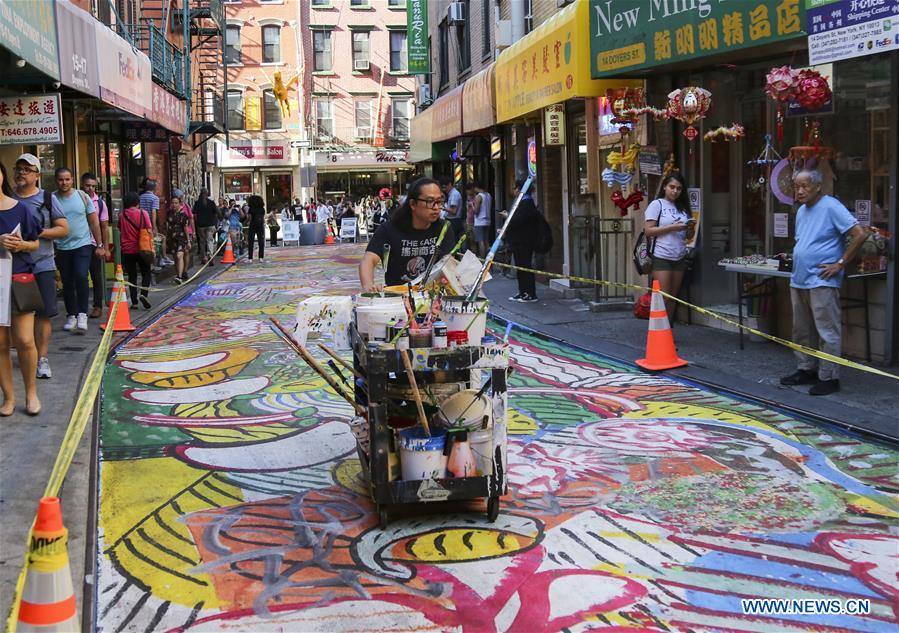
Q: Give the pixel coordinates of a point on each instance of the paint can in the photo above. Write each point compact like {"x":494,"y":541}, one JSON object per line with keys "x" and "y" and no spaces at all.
{"x":464,"y":404}
{"x":439,"y":339}
{"x":482,"y":447}
{"x":420,"y":337}
{"x":421,"y":457}
{"x":378,"y":315}
{"x":469,"y":316}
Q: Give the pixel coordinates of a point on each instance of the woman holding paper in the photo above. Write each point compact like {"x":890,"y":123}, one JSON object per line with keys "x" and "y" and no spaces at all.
{"x":19,"y":238}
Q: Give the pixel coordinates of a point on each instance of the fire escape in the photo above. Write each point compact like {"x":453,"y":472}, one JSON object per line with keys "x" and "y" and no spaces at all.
{"x":204,"y":28}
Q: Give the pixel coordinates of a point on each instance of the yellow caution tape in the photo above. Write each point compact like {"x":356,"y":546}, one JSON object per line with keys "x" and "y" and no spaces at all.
{"x":775,"y":339}
{"x":74,"y":432}
{"x":196,"y":274}
{"x":49,"y":553}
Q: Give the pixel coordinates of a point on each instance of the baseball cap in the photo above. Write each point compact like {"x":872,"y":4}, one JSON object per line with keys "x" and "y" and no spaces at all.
{"x":31,"y":159}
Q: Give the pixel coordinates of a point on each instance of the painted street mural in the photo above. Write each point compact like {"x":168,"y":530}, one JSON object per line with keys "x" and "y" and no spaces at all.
{"x":231,"y":497}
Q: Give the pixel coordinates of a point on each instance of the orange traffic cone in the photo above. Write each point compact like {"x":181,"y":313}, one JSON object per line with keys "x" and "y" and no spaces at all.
{"x":123,"y":316}
{"x":229,"y":252}
{"x":48,"y":598}
{"x":329,"y":236}
{"x":660,"y":351}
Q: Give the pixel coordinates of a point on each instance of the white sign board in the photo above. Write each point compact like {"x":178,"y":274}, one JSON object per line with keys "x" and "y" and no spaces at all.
{"x":554,"y":124}
{"x":695,"y":196}
{"x":781,"y":225}
{"x":842,"y":29}
{"x":30,"y":120}
{"x":348,"y":229}
{"x":290,"y":231}
{"x":863,"y":212}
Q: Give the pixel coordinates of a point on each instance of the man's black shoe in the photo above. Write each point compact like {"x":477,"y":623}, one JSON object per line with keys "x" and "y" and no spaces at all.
{"x":800,"y":377}
{"x":824,"y":387}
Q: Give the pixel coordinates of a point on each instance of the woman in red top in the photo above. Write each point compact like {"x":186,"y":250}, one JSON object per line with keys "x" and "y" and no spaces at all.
{"x":131,"y":220}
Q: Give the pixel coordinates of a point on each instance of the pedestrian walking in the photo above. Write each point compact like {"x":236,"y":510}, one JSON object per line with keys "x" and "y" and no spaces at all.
{"x":256,"y":225}
{"x":191,"y":228}
{"x":481,"y":222}
{"x":454,"y":211}
{"x":19,"y":236}
{"x":820,"y":258}
{"x":98,"y":263}
{"x":178,"y":237}
{"x":235,"y":228}
{"x":668,"y":223}
{"x":75,"y":251}
{"x":271,"y":218}
{"x":411,"y":233}
{"x":149,"y":202}
{"x":206,"y":216}
{"x":131,"y":221}
{"x":521,"y":235}
{"x":49,"y":217}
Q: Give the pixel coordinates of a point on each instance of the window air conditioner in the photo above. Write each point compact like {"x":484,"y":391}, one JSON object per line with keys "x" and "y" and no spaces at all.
{"x":363,"y":132}
{"x":424,"y":95}
{"x":456,"y":13}
{"x":503,"y":33}
{"x":361,"y":64}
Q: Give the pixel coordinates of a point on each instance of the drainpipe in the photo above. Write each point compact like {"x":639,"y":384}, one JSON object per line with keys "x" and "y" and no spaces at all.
{"x":303,"y":194}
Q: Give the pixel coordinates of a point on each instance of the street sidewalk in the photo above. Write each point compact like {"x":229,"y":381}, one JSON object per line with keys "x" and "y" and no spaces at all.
{"x":866,"y":401}
{"x":30,"y":445}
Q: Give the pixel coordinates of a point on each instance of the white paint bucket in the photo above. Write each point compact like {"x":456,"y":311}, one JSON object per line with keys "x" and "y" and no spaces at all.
{"x":471,"y":410}
{"x":459,"y":314}
{"x":482,"y":446}
{"x":421,"y":456}
{"x":380,"y":312}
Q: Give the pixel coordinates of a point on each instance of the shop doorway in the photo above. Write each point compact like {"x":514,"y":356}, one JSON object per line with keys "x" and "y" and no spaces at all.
{"x":278,"y":190}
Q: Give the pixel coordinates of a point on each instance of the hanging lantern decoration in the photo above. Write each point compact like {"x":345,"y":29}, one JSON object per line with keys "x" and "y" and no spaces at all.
{"x":689,"y":105}
{"x":623,"y":102}
{"x":733,"y":133}
{"x":812,"y":90}
{"x":781,"y":86}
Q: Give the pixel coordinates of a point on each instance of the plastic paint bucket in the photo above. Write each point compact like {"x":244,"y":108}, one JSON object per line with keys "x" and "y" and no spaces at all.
{"x":420,"y":338}
{"x":421,"y":456}
{"x":474,"y":410}
{"x":482,"y":446}
{"x":459,"y":314}
{"x":378,"y":313}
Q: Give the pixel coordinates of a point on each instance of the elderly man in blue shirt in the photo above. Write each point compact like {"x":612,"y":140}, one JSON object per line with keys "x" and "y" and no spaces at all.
{"x":819,"y":259}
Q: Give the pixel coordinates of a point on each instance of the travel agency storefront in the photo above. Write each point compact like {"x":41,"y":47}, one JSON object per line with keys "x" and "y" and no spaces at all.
{"x":756,"y":123}
{"x":545,"y":99}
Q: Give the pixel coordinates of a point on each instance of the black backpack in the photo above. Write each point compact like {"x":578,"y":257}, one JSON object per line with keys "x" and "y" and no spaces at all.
{"x":543,"y":243}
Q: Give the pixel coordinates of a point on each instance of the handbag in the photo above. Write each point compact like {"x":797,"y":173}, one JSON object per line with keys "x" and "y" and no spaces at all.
{"x":643,"y":254}
{"x":145,"y":245}
{"x":26,"y":296}
{"x":642,"y":306}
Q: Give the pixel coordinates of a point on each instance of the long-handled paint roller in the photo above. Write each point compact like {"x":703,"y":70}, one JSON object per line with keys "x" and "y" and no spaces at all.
{"x":491,"y":255}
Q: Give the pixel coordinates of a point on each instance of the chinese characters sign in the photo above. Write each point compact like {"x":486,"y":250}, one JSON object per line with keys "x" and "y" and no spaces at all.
{"x":28,"y":30}
{"x":30,"y":120}
{"x":417,"y":37}
{"x":842,"y":29}
{"x":554,"y":125}
{"x":627,"y":35}
{"x":168,"y":110}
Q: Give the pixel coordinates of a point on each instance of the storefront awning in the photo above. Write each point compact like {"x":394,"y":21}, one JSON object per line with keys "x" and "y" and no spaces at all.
{"x":549,"y":65}
{"x":420,"y":136}
{"x":447,"y":113}
{"x":479,"y":101}
{"x":78,"y":53}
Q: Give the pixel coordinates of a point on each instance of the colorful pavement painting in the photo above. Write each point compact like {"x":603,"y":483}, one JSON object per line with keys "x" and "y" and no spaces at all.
{"x":231,"y":497}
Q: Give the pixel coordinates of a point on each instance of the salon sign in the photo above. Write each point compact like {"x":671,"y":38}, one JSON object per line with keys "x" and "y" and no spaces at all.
{"x":30,"y":120}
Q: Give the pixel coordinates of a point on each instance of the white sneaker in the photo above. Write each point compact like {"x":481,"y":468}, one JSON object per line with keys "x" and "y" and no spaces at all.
{"x":71,"y":321}
{"x":81,"y":326}
{"x":43,"y":368}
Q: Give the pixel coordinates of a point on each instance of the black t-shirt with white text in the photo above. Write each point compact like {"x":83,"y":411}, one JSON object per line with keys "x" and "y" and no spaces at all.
{"x":410,"y":250}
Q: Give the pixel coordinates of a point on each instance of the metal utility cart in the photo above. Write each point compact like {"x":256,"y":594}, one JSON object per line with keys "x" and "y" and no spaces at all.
{"x":383,"y":368}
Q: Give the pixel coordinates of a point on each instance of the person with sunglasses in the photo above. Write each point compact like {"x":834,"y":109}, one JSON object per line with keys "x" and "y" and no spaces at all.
{"x":411,"y":233}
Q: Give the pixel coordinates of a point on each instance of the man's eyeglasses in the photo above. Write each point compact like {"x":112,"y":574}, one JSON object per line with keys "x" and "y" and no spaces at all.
{"x":25,"y":170}
{"x":434,"y":203}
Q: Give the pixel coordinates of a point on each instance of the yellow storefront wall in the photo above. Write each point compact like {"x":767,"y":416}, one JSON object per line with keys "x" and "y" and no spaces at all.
{"x":550,"y":65}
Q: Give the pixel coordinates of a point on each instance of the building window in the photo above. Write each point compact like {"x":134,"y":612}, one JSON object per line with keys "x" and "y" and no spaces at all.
{"x":528,"y":16}
{"x":272,"y":111}
{"x":400,"y":109}
{"x":236,"y":118}
{"x":443,"y":36}
{"x":363,"y":119}
{"x":232,"y":45}
{"x":324,"y":118}
{"x":321,"y":3}
{"x":463,"y":39}
{"x":321,"y":42}
{"x":359,"y":3}
{"x":396,"y":3}
{"x":271,"y":44}
{"x":398,"y":57}
{"x":488,"y":24}
{"x":361,"y":50}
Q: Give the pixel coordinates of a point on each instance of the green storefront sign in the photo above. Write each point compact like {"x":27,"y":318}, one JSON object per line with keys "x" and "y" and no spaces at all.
{"x":627,"y":35}
{"x":417,"y":37}
{"x":28,"y":29}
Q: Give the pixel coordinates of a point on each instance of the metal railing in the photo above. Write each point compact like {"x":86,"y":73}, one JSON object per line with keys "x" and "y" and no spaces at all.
{"x":208,"y":106}
{"x":167,"y":61}
{"x":601,"y":250}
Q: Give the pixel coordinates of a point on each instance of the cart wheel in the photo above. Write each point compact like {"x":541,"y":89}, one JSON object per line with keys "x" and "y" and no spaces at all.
{"x":382,"y":517}
{"x":492,"y":508}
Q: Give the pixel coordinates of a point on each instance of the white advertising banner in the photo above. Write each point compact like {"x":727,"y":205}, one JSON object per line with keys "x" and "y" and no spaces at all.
{"x":290,"y":231}
{"x":30,"y":120}
{"x":257,"y":153}
{"x":379,"y":158}
{"x":124,"y":73}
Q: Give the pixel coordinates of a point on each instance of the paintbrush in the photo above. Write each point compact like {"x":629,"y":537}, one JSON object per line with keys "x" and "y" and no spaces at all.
{"x":435,"y":254}
{"x":422,"y":418}
{"x":337,"y":371}
{"x":346,"y":364}
{"x":384,"y":264}
{"x":477,"y":397}
{"x":281,"y":331}
{"x":458,"y":245}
